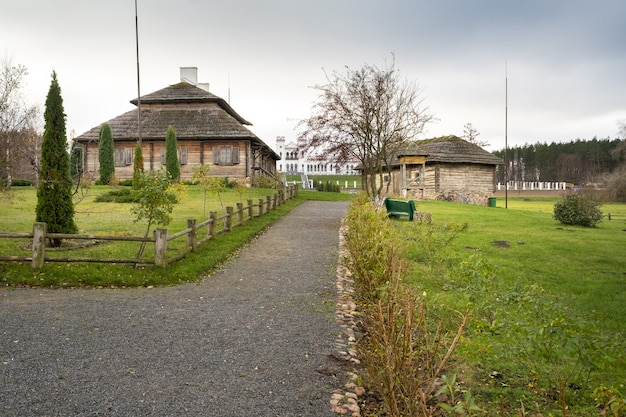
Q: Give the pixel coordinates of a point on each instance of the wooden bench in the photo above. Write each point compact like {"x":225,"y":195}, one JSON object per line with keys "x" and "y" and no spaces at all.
{"x":397,"y":208}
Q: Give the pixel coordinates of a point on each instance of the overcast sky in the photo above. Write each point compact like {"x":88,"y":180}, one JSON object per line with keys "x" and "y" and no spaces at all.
{"x":565,"y":60}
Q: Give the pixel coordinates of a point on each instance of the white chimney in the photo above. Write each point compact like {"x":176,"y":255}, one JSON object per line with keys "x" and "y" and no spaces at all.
{"x":190,"y":75}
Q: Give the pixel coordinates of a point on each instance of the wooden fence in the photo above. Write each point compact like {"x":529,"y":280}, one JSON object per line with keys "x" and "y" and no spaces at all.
{"x":195,"y":233}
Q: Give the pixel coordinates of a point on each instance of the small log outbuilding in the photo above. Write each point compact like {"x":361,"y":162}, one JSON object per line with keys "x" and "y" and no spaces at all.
{"x":208,"y":131}
{"x":445,"y":168}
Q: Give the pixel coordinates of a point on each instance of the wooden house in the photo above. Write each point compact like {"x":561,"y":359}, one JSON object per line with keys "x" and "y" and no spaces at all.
{"x":446,"y":168}
{"x":208,"y":131}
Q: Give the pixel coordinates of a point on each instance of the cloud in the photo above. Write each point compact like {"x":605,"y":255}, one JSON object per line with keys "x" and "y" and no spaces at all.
{"x":565,"y":59}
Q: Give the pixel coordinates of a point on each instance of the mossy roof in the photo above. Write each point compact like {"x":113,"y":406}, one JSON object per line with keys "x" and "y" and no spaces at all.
{"x":450,"y":149}
{"x":195,"y":114}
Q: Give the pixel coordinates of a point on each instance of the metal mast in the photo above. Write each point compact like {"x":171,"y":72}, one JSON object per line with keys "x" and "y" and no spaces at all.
{"x":506,"y":147}
{"x":138,"y":83}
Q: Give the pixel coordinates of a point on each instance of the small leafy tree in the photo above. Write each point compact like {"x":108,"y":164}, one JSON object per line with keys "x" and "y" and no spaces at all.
{"x":172,"y":164}
{"x":241,"y":185}
{"x":54,"y":194}
{"x":217,"y":185}
{"x":202,"y":177}
{"x":577,"y":210}
{"x":106,"y":156}
{"x":137,"y":165}
{"x":155,"y":198}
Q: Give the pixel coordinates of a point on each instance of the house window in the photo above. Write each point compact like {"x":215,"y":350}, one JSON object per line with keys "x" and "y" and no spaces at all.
{"x":182,"y":156}
{"x":225,"y":155}
{"x":123,"y":156}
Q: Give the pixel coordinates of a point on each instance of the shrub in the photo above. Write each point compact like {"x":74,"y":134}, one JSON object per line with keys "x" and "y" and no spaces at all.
{"x":122,"y":195}
{"x":403,"y":351}
{"x":577,"y":210}
{"x":21,"y":183}
{"x":264,"y":182}
{"x":374,"y":249}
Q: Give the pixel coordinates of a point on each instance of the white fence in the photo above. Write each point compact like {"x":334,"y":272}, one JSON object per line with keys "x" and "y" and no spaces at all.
{"x":534,"y":186}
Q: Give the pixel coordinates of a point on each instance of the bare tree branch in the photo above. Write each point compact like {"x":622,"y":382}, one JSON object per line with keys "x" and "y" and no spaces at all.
{"x":17,"y":119}
{"x":365,"y":115}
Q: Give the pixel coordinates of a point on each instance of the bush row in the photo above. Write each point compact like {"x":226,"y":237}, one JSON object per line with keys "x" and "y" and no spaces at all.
{"x":403,"y":351}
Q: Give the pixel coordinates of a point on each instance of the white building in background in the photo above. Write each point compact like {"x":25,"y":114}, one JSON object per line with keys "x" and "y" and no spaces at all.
{"x":294,"y":162}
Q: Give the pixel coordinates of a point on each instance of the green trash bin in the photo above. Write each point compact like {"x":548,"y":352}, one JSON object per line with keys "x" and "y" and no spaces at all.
{"x":492,"y":201}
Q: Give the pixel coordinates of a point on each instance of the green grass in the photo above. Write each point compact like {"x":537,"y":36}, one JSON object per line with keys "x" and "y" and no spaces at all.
{"x":547,"y":300}
{"x":18,"y":215}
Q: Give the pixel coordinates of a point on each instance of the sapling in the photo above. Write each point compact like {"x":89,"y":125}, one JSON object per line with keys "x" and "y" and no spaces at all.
{"x":155,"y":196}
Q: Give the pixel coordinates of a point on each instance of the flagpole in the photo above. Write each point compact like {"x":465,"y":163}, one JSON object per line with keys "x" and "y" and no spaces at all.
{"x":506,"y":145}
{"x":138,"y":83}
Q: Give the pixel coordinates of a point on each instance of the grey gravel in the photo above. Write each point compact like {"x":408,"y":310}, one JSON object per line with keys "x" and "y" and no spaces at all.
{"x":255,"y":339}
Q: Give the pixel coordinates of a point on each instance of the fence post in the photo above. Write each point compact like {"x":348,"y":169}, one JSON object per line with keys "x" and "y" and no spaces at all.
{"x":268,"y":202}
{"x":160,"y":247}
{"x":274,"y":198}
{"x":260,"y":206}
{"x":281,"y":197}
{"x":240,"y":213}
{"x":39,"y":245}
{"x":191,"y":237}
{"x":213,"y":224}
{"x":229,"y":218}
{"x":250,"y":209}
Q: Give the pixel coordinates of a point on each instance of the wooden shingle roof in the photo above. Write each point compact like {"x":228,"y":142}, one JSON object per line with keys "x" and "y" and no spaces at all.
{"x":195,"y":114}
{"x":451,"y":149}
{"x":184,"y":92}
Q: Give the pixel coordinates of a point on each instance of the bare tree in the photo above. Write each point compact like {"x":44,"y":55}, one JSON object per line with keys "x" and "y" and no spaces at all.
{"x":17,"y":119}
{"x":470,"y":134}
{"x":365,"y":115}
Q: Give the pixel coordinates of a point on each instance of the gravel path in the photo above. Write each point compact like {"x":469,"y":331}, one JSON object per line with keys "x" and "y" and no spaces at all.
{"x":255,"y":339}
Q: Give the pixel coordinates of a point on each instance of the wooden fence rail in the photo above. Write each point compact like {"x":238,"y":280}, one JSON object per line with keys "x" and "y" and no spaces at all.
{"x":231,"y":218}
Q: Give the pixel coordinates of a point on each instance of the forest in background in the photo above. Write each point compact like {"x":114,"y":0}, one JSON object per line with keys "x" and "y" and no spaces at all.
{"x":580,"y":162}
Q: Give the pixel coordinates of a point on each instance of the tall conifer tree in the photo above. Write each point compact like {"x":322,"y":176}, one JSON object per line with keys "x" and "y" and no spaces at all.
{"x":54,"y":194}
{"x":137,"y":165}
{"x":106,"y":156}
{"x":172,"y":165}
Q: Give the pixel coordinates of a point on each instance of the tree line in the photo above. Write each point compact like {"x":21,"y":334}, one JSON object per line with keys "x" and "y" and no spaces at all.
{"x":580,"y":162}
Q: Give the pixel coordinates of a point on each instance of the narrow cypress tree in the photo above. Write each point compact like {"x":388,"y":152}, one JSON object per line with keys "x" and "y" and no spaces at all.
{"x":172,"y":166}
{"x":54,"y":194}
{"x":137,"y":165}
{"x":106,"y":156}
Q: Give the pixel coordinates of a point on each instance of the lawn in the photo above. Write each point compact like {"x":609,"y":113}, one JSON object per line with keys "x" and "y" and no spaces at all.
{"x":18,"y":215}
{"x":95,"y":218}
{"x":547,"y":301}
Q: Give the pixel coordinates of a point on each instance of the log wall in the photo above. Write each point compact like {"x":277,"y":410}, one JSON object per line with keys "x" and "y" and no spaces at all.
{"x":465,"y":183}
{"x":197,"y":153}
